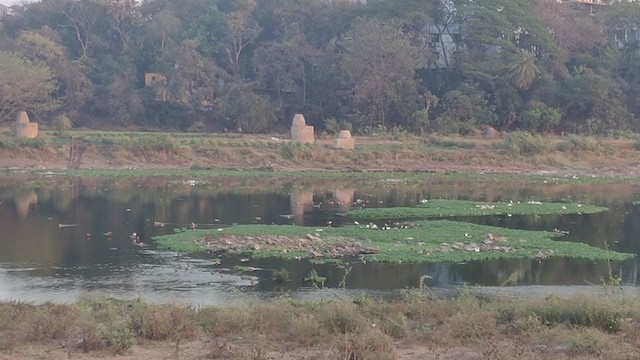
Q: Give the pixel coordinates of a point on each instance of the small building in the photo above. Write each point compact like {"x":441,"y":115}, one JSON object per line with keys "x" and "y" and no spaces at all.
{"x":160,"y":82}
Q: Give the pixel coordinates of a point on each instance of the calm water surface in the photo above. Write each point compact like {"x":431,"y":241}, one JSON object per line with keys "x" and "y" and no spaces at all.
{"x":53,"y":245}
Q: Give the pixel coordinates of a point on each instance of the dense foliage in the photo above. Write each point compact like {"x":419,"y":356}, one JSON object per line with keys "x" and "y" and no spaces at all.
{"x":450,"y":66}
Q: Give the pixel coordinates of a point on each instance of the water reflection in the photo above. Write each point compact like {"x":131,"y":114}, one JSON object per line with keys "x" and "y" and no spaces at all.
{"x":41,"y":258}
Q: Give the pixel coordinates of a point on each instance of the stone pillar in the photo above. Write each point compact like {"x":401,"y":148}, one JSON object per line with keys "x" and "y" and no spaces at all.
{"x":24,"y":128}
{"x":300,"y":131}
{"x":345,"y":141}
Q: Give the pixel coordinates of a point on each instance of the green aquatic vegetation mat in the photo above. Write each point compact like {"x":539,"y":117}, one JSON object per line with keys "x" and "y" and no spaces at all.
{"x":422,"y":242}
{"x":450,"y":208}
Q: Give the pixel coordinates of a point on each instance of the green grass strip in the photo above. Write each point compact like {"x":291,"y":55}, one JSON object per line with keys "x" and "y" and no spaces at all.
{"x":450,"y":208}
{"x":428,"y":241}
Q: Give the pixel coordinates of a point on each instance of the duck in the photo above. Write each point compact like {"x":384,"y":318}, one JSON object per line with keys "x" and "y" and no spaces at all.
{"x":134,"y":237}
{"x":108,"y":234}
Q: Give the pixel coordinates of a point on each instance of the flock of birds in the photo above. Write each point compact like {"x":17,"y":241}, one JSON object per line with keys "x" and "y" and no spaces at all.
{"x":134,"y":237}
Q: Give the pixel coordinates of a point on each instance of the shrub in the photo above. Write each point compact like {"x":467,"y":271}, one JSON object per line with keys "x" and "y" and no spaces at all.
{"x":281,"y":276}
{"x":589,"y":341}
{"x":225,"y":321}
{"x":471,"y":321}
{"x":395,"y":325}
{"x":341,"y":317}
{"x":164,"y":322}
{"x":62,"y":123}
{"x":538,"y":116}
{"x":103,"y":324}
{"x":525,"y":143}
{"x":579,"y":143}
{"x":373,"y":345}
{"x":580,"y":311}
{"x":295,"y":152}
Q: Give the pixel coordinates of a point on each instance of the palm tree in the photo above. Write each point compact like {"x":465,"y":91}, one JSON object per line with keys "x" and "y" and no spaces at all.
{"x":524,"y":69}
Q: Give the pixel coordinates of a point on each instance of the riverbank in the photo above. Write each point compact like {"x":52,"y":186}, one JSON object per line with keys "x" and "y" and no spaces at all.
{"x":415,"y":326}
{"x":511,"y":153}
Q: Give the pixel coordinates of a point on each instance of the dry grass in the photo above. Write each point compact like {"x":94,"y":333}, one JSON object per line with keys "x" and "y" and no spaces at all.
{"x":394,"y":151}
{"x":363,"y":328}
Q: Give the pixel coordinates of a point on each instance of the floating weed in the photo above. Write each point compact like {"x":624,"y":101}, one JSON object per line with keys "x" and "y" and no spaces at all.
{"x":451,"y":208}
{"x":315,"y":279}
{"x":427,"y":241}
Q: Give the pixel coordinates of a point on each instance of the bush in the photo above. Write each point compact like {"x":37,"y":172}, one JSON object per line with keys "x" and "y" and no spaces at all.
{"x":373,"y":345}
{"x":164,"y":322}
{"x":471,"y":321}
{"x":578,"y":311}
{"x":296,"y":152}
{"x":62,"y":123}
{"x":342,"y":317}
{"x":103,"y":324}
{"x":538,"y":116}
{"x":589,"y":341}
{"x":525,"y":143}
{"x":579,"y":143}
{"x":395,"y":325}
{"x":225,"y":321}
{"x":333,"y":126}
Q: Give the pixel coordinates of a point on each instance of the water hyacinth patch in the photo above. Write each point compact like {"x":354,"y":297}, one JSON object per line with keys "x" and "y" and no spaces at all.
{"x":420,"y":242}
{"x":450,"y":208}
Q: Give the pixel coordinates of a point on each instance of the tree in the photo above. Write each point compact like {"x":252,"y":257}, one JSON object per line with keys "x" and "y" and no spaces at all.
{"x":25,"y":86}
{"x":573,"y":31}
{"x":463,"y":109}
{"x":523,"y":69}
{"x":227,"y":34}
{"x":44,"y":46}
{"x":594,"y":102}
{"x":381,"y":62}
{"x":87,"y":19}
{"x":195,"y":79}
{"x":245,"y":110}
{"x":241,"y":32}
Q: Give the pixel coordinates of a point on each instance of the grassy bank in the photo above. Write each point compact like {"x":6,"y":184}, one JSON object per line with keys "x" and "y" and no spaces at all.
{"x":517,"y":152}
{"x":427,"y":241}
{"x":416,"y":324}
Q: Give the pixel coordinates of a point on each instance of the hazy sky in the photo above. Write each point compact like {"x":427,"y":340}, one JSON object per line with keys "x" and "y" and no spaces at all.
{"x":10,"y":2}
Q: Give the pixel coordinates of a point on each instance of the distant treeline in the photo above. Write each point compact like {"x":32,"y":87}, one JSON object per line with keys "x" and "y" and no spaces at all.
{"x":449,"y":66}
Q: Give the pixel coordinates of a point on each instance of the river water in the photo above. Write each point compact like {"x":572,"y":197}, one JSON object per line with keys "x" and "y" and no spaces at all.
{"x":69,"y":237}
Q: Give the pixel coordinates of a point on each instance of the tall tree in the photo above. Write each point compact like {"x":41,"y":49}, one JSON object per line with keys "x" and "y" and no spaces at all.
{"x":25,"y":86}
{"x":227,"y":34}
{"x":44,"y":46}
{"x":380,"y":61}
{"x":194,"y":83}
{"x":524,"y":69}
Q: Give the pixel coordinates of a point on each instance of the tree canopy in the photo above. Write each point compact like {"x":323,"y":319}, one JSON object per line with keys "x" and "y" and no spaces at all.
{"x":422,"y":65}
